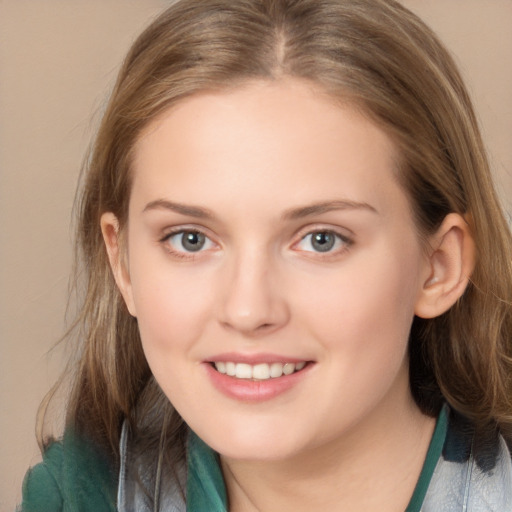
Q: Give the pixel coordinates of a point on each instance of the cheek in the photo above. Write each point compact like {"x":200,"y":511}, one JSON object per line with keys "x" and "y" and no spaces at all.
{"x":172,"y":306}
{"x":366,"y":308}
{"x":361,"y":317}
{"x":171,"y":317}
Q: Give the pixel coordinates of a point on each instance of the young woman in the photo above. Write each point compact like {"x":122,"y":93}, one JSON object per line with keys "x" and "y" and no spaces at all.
{"x":299,"y":280}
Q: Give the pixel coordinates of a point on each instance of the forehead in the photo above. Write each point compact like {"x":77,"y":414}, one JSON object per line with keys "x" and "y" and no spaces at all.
{"x":274,"y":140}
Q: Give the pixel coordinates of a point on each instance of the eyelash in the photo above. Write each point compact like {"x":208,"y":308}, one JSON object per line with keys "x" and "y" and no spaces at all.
{"x":184,"y":254}
{"x":343,"y":242}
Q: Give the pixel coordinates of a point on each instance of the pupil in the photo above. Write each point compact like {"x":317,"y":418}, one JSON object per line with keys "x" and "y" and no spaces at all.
{"x":323,"y":241}
{"x":193,"y":241}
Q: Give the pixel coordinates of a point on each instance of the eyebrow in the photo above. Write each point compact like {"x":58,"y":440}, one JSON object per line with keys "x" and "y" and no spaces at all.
{"x":292,"y":214}
{"x":327,"y":206}
{"x":183,"y":209}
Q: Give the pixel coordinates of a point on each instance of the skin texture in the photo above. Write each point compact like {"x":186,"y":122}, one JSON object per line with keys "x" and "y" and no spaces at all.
{"x":246,"y":164}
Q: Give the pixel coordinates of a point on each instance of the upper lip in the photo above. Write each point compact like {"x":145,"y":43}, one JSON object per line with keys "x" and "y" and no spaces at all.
{"x":253,"y":359}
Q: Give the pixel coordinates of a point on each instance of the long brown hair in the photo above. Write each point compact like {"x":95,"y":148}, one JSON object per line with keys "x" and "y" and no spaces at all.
{"x":374,"y":54}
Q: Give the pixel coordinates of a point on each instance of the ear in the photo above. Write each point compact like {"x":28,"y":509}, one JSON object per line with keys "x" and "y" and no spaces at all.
{"x":450,"y":263}
{"x":111,"y":236}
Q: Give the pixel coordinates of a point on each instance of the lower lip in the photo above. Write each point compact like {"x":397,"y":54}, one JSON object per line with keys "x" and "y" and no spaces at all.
{"x":254,"y":390}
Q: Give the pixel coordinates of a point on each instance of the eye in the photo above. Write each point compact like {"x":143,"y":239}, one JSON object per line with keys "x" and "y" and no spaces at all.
{"x":323,"y":241}
{"x":188,"y":241}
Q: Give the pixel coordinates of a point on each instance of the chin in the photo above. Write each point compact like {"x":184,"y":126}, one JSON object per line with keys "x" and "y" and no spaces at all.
{"x":257,"y":444}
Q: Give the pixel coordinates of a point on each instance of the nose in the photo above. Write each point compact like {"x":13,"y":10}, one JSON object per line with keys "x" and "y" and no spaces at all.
{"x":254,"y":303}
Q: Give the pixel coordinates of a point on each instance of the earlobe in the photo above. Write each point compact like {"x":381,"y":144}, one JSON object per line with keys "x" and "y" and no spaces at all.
{"x":111,"y":236}
{"x":450,"y":265}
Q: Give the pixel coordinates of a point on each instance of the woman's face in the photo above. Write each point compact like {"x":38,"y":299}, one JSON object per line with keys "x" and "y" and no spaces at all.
{"x":268,"y":237}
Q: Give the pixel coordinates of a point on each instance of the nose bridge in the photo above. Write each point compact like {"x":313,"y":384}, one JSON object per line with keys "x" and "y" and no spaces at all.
{"x":253,"y":303}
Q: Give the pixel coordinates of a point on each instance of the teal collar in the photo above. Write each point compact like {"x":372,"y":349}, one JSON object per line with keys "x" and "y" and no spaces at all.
{"x":433,"y":454}
{"x":205,"y":484}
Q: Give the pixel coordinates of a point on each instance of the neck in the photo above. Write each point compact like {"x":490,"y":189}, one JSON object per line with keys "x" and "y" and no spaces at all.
{"x":374,"y":466}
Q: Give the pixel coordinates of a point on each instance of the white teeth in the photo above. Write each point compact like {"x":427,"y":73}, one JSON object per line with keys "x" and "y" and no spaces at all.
{"x":276,"y":370}
{"x":243,"y":371}
{"x":221,"y":367}
{"x":231,"y":369}
{"x":288,"y":368}
{"x":261,"y":371}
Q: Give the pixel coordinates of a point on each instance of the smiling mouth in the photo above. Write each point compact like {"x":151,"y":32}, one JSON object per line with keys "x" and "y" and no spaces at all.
{"x":261,"y":371}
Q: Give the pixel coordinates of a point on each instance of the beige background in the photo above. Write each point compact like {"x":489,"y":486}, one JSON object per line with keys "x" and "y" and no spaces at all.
{"x":57,"y":62}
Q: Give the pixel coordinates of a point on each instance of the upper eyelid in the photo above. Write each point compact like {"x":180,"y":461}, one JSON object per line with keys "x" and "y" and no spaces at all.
{"x":342,"y":232}
{"x":344,"y":239}
{"x":336,"y":233}
{"x":170,"y":231}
